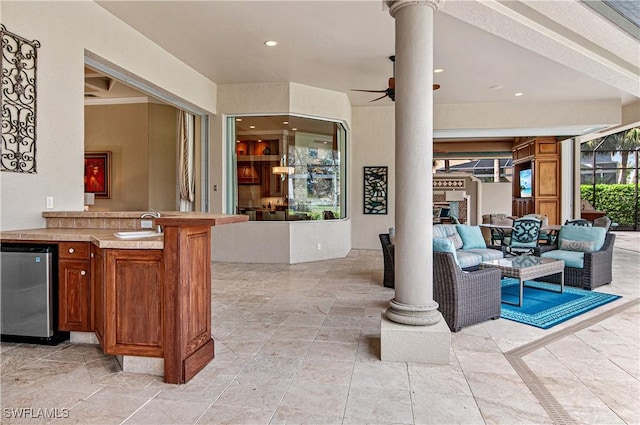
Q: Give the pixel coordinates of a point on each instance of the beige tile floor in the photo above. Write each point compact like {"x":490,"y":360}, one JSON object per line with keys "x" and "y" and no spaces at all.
{"x":299,"y":344}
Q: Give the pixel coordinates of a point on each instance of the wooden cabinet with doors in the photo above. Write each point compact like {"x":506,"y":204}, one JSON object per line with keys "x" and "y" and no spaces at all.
{"x":132,"y":302}
{"x":74,"y":289}
{"x":537,"y":159}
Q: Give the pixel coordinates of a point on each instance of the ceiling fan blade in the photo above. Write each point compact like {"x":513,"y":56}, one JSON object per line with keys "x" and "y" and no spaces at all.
{"x":381,"y":97}
{"x":436,"y":86}
{"x":370,"y":91}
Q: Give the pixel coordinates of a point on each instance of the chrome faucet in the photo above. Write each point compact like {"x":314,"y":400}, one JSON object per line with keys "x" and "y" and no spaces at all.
{"x":153,"y":214}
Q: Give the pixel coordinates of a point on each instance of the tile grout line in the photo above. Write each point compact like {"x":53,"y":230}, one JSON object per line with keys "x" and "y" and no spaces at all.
{"x":515,"y":357}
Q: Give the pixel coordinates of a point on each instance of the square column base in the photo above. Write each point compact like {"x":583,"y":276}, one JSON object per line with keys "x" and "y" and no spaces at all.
{"x":406,"y":343}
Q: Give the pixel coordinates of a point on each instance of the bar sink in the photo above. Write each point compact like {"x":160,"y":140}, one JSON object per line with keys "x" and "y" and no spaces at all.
{"x":137,"y":234}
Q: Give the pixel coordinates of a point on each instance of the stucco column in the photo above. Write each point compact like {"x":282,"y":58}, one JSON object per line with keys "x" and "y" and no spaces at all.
{"x":412,"y":329}
{"x":413,"y":303}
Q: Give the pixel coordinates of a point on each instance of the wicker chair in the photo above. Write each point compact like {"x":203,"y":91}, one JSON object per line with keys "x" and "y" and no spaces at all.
{"x":464,"y":298}
{"x":578,"y":222}
{"x":603,"y":221}
{"x":596,"y":270}
{"x":388,"y":257}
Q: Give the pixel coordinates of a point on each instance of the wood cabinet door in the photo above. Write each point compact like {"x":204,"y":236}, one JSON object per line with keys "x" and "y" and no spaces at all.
{"x":74,"y":296}
{"x":133,"y":302}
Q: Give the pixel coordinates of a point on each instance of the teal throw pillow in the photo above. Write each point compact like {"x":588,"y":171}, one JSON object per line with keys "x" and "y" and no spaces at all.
{"x":471,"y":237}
{"x":445,"y":245}
{"x":582,"y":233}
{"x":581,"y":246}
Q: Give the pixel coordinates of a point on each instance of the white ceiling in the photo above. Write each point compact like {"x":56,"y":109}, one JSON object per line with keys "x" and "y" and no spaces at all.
{"x":570,"y":52}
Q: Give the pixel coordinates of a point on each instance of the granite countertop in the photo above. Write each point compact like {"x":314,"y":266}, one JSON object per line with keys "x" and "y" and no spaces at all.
{"x":105,"y":237}
{"x":102,"y":238}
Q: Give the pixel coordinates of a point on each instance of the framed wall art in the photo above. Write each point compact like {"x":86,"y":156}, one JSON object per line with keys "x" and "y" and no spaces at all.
{"x":97,"y":174}
{"x":375,"y":190}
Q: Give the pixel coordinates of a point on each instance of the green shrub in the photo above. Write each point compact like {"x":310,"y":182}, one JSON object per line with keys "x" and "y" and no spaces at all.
{"x":616,"y":199}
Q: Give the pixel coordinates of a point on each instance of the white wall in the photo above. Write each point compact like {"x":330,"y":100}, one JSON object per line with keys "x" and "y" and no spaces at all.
{"x":528,"y":115}
{"x":374,"y":143}
{"x":496,"y":199}
{"x":65,"y":30}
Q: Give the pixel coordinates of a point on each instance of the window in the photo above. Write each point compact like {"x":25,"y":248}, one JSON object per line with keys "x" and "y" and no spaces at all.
{"x":488,"y":170}
{"x":609,"y":176}
{"x":288,"y":168}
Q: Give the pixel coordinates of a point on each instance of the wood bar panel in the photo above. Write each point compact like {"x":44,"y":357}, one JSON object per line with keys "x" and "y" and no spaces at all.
{"x":187,"y":256}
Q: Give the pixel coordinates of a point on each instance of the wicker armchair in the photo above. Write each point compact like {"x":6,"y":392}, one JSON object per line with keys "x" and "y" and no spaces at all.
{"x":596,"y":270}
{"x":388,"y":257}
{"x":464,"y":298}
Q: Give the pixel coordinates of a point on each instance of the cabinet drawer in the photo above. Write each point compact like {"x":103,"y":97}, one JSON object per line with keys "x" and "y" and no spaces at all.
{"x":77,"y":250}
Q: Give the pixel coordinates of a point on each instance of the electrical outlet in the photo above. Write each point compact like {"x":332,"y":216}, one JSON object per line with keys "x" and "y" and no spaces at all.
{"x":146,"y":224}
{"x":49,"y":202}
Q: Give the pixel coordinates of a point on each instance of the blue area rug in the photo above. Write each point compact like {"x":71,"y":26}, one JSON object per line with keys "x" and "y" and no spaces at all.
{"x":545,"y":309}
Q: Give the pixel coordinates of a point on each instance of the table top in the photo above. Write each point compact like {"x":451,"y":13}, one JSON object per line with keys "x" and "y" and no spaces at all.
{"x":514,"y":266}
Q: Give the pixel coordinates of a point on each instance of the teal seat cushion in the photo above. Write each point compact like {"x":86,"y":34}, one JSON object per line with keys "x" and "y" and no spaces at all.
{"x":468,"y":259}
{"x":445,"y":245}
{"x":573,"y":259}
{"x":471,"y":237}
{"x":583,"y":233}
{"x":487,"y":254}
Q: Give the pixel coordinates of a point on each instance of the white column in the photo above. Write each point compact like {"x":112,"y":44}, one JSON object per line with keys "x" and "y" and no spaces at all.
{"x":413,"y":303}
{"x":413,"y":329}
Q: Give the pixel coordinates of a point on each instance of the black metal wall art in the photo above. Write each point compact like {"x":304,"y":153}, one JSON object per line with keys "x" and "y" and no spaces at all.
{"x":375,"y":190}
{"x":18,"y":149}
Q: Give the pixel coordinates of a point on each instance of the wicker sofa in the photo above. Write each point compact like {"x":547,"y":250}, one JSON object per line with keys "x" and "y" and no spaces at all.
{"x":469,"y":243}
{"x":464,"y":298}
{"x":586,"y":270}
{"x":468,"y":259}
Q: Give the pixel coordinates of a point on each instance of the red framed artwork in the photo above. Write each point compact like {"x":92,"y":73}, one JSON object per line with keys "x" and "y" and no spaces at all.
{"x":97,"y":174}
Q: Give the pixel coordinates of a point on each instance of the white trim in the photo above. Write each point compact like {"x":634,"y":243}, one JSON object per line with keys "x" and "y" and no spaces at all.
{"x":118,"y":101}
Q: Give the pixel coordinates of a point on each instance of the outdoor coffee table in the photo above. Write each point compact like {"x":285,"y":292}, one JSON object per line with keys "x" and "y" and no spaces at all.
{"x":526,"y":267}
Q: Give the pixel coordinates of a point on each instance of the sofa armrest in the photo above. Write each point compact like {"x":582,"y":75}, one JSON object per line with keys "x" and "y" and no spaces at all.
{"x":544,"y":248}
{"x":496,"y":247}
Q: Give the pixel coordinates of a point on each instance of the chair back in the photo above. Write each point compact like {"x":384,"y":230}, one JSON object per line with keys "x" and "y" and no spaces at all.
{"x":498,"y":235}
{"x":526,"y":232}
{"x":603,"y":221}
{"x":328,"y":215}
{"x":578,"y":222}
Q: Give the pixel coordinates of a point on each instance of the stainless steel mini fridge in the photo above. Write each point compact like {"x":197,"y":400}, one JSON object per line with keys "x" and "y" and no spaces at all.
{"x":28,"y":293}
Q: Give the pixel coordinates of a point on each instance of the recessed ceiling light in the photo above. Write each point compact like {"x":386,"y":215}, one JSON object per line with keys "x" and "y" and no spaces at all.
{"x":438,"y":70}
{"x":270,"y":43}
{"x":496,"y":87}
{"x":252,"y":126}
{"x":285,"y":122}
{"x":294,"y":129}
{"x":519,"y":94}
{"x":238,"y":119}
{"x":237,"y":141}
